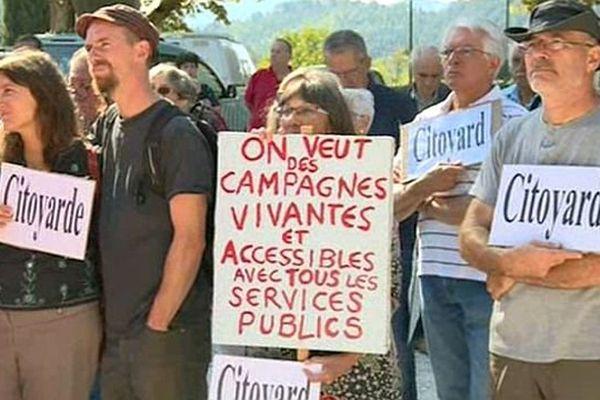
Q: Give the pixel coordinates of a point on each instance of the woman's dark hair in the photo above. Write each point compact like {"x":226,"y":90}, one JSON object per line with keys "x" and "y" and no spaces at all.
{"x":55,"y":112}
{"x":317,"y":87}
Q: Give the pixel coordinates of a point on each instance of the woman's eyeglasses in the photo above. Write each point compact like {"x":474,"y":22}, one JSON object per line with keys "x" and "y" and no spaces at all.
{"x":302,"y":112}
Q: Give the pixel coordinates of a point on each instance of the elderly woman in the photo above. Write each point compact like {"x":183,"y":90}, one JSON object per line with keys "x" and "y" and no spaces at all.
{"x":174,"y":84}
{"x":311,"y":101}
{"x":362,"y":106}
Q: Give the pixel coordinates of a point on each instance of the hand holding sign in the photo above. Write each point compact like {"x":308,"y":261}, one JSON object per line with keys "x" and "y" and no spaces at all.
{"x":327,"y":369}
{"x":442,"y":178}
{"x":499,"y":285}
{"x":6,"y":214}
{"x":534,"y":260}
{"x":263,"y":133}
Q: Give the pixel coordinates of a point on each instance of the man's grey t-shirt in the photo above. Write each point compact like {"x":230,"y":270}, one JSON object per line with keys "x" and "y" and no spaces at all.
{"x":135,"y":223}
{"x":532,"y":323}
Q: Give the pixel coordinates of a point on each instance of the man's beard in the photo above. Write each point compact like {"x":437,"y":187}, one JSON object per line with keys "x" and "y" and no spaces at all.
{"x":108,"y":83}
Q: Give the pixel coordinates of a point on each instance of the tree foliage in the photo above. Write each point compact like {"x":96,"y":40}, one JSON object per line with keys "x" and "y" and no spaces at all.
{"x":308,"y":51}
{"x":384,"y":27}
{"x":394,"y":68}
{"x":21,"y":17}
{"x":36,"y":16}
{"x":168,"y":14}
{"x":530,"y":4}
{"x":307,"y":45}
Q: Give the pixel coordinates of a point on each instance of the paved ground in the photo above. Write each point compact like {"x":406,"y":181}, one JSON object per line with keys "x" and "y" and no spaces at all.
{"x":425,"y":383}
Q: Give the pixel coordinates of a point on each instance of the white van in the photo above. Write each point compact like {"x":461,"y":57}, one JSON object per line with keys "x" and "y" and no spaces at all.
{"x":229,"y":58}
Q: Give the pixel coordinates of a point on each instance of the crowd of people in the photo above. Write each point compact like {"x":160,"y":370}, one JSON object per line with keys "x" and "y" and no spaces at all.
{"x":132,"y":319}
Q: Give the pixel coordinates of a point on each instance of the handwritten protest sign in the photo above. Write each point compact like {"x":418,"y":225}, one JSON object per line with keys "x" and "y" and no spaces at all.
{"x":51,"y":212}
{"x":464,"y":136}
{"x":557,"y":204}
{"x":302,"y":248}
{"x":243,"y":378}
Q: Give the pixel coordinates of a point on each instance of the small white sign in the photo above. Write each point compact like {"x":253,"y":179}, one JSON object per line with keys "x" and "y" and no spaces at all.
{"x":555,"y":204}
{"x":51,"y":212}
{"x":463,"y":136}
{"x":302,"y":242}
{"x":243,"y":378}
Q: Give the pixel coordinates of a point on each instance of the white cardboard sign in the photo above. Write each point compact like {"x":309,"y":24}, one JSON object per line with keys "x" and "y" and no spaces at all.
{"x":463,"y":136}
{"x":254,"y":378}
{"x":556,"y":204}
{"x":302,"y":247}
{"x":51,"y":212}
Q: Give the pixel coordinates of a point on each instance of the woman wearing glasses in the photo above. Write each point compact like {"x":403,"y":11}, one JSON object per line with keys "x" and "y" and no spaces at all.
{"x":311,"y":101}
{"x":174,"y":85}
{"x":178,"y":87}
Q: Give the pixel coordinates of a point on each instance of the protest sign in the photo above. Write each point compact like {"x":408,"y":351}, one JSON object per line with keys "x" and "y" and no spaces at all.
{"x":51,"y":212}
{"x":556,"y":204}
{"x":302,"y":246}
{"x":244,"y":378}
{"x":463,"y":136}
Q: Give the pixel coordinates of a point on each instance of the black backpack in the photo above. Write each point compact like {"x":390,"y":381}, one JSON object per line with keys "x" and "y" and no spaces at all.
{"x":153,"y":181}
{"x":152,"y":156}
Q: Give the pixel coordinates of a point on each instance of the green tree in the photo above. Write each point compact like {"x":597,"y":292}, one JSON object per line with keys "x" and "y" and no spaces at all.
{"x":307,"y":44}
{"x":21,"y":17}
{"x":63,"y":12}
{"x":530,"y":4}
{"x":394,"y":68}
{"x":168,"y":14}
{"x":308,"y":51}
{"x":36,"y":16}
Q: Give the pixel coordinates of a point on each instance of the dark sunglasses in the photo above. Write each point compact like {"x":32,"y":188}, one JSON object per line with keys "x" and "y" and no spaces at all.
{"x":163,"y":90}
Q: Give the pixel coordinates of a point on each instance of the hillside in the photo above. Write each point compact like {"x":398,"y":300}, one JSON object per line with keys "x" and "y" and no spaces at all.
{"x":385,"y":28}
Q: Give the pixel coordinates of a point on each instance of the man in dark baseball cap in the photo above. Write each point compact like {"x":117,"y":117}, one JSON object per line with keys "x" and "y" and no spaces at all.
{"x":544,"y":340}
{"x":157,"y":303}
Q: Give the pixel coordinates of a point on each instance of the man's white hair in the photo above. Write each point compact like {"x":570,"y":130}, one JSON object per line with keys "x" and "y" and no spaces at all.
{"x":421,"y":52}
{"x":494,"y":41}
{"x":360,"y":101}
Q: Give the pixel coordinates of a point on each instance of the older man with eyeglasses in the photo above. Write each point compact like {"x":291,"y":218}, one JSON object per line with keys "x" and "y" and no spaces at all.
{"x":346,"y":56}
{"x":456,"y":307}
{"x":544,"y":333}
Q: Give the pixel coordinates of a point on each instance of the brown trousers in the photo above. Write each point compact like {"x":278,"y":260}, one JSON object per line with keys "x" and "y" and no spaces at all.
{"x":49,"y":354}
{"x":560,"y":380}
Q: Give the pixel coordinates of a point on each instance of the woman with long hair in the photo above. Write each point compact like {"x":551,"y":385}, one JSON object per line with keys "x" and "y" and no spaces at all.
{"x":311,"y":101}
{"x":50,"y":325}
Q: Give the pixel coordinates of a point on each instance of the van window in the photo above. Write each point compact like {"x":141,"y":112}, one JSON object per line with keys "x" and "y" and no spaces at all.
{"x":207,"y":77}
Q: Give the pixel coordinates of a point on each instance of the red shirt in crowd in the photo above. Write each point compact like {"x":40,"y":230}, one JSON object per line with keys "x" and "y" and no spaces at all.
{"x":261,"y":90}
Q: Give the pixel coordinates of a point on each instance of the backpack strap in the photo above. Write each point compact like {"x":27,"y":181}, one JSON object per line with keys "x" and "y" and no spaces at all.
{"x":93,"y":166}
{"x":152,"y":153}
